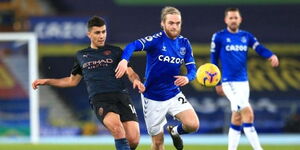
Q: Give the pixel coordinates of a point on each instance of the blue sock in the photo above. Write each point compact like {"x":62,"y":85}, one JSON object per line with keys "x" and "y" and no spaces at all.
{"x":236,"y":127}
{"x":248,"y":124}
{"x":122,"y":144}
{"x":180,"y":130}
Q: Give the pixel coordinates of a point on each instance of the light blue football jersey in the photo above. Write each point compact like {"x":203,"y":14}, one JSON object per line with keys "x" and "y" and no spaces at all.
{"x":164,"y":58}
{"x":232,"y":51}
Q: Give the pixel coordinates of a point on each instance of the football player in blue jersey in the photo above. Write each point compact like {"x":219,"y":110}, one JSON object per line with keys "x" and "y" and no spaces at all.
{"x":166,"y":51}
{"x":108,"y":95}
{"x":230,"y":46}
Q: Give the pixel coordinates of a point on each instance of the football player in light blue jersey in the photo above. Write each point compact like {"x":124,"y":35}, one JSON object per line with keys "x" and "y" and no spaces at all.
{"x":166,"y":52}
{"x":230,"y":46}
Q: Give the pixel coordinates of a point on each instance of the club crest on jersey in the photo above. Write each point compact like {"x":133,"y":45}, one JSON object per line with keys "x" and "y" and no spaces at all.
{"x":243,"y":39}
{"x":228,"y":40}
{"x":182,"y":50}
{"x":164,"y":49}
{"x":106,"y":52}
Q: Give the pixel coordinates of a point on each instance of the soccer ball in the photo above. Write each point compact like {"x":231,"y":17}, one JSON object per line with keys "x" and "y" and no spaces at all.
{"x":208,"y":75}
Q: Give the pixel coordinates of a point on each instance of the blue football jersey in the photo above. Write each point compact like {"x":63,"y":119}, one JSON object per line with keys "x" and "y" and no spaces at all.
{"x":164,"y":58}
{"x":232,"y":51}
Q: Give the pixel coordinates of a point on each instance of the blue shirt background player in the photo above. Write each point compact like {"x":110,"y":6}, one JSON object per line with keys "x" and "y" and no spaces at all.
{"x":230,"y":46}
{"x":232,"y":50}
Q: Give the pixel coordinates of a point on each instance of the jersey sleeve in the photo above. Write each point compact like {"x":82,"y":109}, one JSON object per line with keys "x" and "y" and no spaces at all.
{"x":190,"y":62}
{"x":260,"y":49}
{"x":215,"y":49}
{"x":142,"y":44}
{"x":76,"y":67}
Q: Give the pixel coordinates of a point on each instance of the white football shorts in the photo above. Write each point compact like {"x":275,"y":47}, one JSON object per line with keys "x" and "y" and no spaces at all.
{"x":155,"y":111}
{"x":237,"y":93}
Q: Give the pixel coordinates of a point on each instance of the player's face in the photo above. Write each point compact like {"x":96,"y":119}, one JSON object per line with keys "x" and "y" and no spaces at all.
{"x":233,"y":20}
{"x":172,"y":25}
{"x":97,"y":36}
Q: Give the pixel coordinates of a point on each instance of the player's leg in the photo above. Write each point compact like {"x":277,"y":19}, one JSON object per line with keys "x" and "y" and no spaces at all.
{"x":184,"y":112}
{"x":249,"y":129}
{"x":104,"y":107}
{"x":157,"y":141}
{"x":154,"y":115}
{"x":234,"y":132}
{"x":231,"y":90}
{"x":114,"y":125}
{"x":132,"y":132}
{"x":129,"y":120}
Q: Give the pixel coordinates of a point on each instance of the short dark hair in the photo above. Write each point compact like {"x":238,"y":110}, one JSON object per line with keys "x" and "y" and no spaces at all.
{"x":95,"y":21}
{"x":232,"y":9}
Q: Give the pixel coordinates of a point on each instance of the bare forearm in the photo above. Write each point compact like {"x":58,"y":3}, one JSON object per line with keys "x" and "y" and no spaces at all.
{"x":62,"y":82}
{"x":133,"y":77}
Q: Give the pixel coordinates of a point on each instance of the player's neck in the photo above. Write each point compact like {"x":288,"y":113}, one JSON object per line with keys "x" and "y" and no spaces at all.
{"x":232,"y":31}
{"x":95,"y":47}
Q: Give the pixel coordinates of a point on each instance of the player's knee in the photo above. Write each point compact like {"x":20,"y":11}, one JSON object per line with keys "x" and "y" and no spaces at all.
{"x":157,"y":143}
{"x":115,"y":128}
{"x":133,"y":140}
{"x":192,"y":126}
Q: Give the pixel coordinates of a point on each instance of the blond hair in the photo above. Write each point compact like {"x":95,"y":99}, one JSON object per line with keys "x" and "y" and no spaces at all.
{"x":168,"y":10}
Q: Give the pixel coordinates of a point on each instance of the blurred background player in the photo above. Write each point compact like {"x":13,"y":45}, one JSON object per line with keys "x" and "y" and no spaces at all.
{"x":230,"y":46}
{"x":108,"y":95}
{"x":166,"y":52}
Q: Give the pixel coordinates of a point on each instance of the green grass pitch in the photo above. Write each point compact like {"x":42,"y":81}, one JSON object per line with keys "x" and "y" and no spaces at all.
{"x":141,"y":147}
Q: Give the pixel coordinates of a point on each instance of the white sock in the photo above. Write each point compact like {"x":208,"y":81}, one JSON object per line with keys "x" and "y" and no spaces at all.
{"x":233,"y":139}
{"x":252,"y":137}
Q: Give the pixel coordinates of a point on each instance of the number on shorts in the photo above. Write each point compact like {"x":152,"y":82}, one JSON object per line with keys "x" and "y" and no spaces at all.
{"x":132,"y":109}
{"x":183,"y":100}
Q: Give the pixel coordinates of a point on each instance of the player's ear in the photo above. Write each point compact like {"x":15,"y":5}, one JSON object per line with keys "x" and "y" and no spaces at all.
{"x":162,"y":24}
{"x":88,"y":34}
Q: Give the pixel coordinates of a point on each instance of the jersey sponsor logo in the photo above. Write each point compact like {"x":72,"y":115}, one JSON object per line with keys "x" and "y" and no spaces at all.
{"x":97,"y":63}
{"x":236,"y":48}
{"x":172,"y":60}
{"x":182,"y":50}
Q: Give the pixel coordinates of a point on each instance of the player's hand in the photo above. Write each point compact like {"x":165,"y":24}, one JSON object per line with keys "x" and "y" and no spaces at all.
{"x":274,"y":61}
{"x":181,"y":80}
{"x":138,"y":84}
{"x":121,"y":68}
{"x":219,"y":90}
{"x":38,"y":82}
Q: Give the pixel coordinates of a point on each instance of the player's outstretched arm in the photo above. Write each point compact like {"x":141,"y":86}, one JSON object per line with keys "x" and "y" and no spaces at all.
{"x":135,"y":79}
{"x":121,"y":68}
{"x":274,"y":61}
{"x":70,"y":81}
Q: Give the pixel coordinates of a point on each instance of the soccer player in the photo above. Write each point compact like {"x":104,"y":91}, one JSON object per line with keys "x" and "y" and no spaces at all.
{"x":109,"y":97}
{"x":166,"y":51}
{"x":230,"y":46}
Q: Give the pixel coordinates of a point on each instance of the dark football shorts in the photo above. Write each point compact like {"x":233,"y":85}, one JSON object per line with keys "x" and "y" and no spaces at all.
{"x":116,"y":102}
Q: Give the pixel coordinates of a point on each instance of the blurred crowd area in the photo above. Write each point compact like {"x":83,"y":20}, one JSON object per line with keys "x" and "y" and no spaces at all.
{"x":60,"y":26}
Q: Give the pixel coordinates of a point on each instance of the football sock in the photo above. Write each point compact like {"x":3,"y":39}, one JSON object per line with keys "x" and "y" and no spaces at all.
{"x":252,"y":136}
{"x":234,"y":135}
{"x":179,"y":130}
{"x":122,"y":144}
